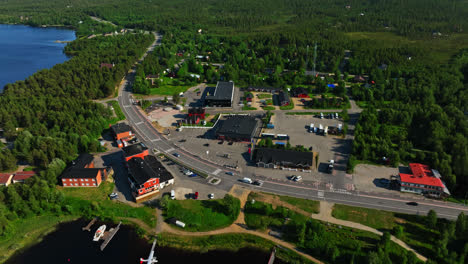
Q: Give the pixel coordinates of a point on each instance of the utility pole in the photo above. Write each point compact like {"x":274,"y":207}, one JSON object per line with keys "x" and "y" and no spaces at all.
{"x":315,"y":58}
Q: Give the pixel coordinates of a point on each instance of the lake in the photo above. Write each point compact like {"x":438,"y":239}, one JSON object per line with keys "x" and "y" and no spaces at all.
{"x":69,"y":244}
{"x":25,"y":50}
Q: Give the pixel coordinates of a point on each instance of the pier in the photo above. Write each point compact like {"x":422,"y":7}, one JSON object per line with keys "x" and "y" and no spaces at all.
{"x":109,"y":236}
{"x":88,"y":227}
{"x":272,"y":256}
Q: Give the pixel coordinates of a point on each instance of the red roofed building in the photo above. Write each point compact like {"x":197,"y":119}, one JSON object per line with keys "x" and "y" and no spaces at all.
{"x":5,"y":179}
{"x":22,"y":176}
{"x":423,"y":180}
{"x":135,"y":151}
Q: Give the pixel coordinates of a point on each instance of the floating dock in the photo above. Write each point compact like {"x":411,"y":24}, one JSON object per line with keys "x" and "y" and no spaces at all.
{"x":272,"y":256}
{"x":88,"y":227}
{"x":109,"y":235}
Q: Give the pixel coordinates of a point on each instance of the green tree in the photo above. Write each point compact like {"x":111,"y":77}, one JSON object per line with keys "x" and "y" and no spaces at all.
{"x":432,"y":219}
{"x":176,"y":98}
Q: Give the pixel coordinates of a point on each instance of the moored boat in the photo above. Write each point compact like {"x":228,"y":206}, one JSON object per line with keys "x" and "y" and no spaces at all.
{"x":99,"y":233}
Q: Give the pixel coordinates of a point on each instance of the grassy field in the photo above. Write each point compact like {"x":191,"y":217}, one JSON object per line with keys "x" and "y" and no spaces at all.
{"x":304,"y":204}
{"x":441,"y":49}
{"x":302,"y":113}
{"x":28,"y":232}
{"x":169,"y":86}
{"x":264,"y":95}
{"x":266,"y":108}
{"x":201,"y":215}
{"x":374,"y":218}
{"x":231,"y":242}
{"x":118,"y":112}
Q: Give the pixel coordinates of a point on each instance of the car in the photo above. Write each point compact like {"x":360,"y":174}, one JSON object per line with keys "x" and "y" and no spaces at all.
{"x":211,"y":196}
{"x":172,"y":194}
{"x":195,"y":195}
{"x":183,"y":140}
{"x":188,"y":173}
{"x":246,"y":180}
{"x":206,"y":144}
{"x":193,"y":175}
{"x":258,"y":183}
{"x":230,"y":143}
{"x":230,"y":173}
{"x":297,"y":178}
{"x":113,"y":196}
{"x":412,"y":203}
{"x":177,"y":155}
{"x":221,"y":142}
{"x":384,"y":181}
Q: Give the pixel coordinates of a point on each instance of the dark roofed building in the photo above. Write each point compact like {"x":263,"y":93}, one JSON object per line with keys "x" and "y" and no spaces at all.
{"x":147,"y":176}
{"x":82,"y":173}
{"x":283,"y":98}
{"x":121,"y":130}
{"x":300,"y":92}
{"x":277,"y":158}
{"x":237,"y":128}
{"x":221,"y":96}
{"x":137,"y":150}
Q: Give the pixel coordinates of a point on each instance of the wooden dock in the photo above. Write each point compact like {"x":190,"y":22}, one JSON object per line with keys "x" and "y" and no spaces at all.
{"x":88,"y":227}
{"x":109,"y":236}
{"x":272,"y":256}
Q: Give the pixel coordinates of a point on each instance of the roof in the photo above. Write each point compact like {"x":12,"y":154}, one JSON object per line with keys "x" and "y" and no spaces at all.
{"x":78,"y":168}
{"x":5,"y":177}
{"x":421,"y":174}
{"x":283,"y":96}
{"x":284,"y":157}
{"x":82,"y":160}
{"x":107,"y":65}
{"x":134,"y":149}
{"x":223,"y":91}
{"x":23,"y":175}
{"x":299,"y":90}
{"x":148,"y":168}
{"x":121,"y":128}
{"x":240,"y":127}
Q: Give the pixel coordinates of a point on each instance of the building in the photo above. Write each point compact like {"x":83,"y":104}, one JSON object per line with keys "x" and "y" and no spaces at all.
{"x":82,"y":173}
{"x":197,"y":111}
{"x":222,"y":95}
{"x":135,"y":151}
{"x":22,"y":176}
{"x":237,"y":128}
{"x":152,"y":78}
{"x":263,"y":89}
{"x":283,"y":158}
{"x":147,"y":176}
{"x":300,"y":92}
{"x":283,"y":98}
{"x":422,"y":180}
{"x":121,"y":131}
{"x":106,"y":65}
{"x":192,"y":120}
{"x":5,"y":179}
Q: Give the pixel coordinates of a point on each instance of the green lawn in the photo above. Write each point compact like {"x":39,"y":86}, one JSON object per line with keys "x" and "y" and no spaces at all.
{"x":248,"y":108}
{"x":266,"y":108}
{"x":118,"y":112}
{"x":264,"y":96}
{"x":288,"y":107}
{"x":369,"y":217}
{"x":169,"y":87}
{"x":202,"y":215}
{"x":304,"y":204}
{"x":302,"y":113}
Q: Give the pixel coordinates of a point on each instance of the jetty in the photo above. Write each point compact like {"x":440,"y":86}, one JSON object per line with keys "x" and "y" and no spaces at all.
{"x":272,"y":256}
{"x":109,"y":235}
{"x":88,"y":227}
{"x":62,"y":41}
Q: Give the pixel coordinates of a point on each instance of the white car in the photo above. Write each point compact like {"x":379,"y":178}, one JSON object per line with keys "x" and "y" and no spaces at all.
{"x":296,"y":178}
{"x":211,"y":196}
{"x":246,"y":180}
{"x":188,"y":173}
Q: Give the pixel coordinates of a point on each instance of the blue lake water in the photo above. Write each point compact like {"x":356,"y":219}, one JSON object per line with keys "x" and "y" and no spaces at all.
{"x":25,"y":50}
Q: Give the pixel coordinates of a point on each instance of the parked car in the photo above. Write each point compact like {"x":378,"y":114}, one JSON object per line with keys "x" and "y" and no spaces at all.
{"x":298,"y":178}
{"x":183,"y":140}
{"x":172,"y":194}
{"x":258,"y":182}
{"x":193,"y":175}
{"x":246,"y":180}
{"x":113,"y":196}
{"x":412,"y":203}
{"x":195,"y":195}
{"x":188,"y":173}
{"x":211,"y":196}
{"x":206,"y":144}
{"x":230,"y":173}
{"x":176,"y":155}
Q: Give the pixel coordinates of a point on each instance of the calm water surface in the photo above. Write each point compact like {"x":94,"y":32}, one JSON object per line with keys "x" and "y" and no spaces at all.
{"x":69,"y":244}
{"x":25,"y":50}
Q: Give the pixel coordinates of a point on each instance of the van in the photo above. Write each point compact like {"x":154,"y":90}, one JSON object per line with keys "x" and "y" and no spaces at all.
{"x":172,"y":194}
{"x":246,"y":180}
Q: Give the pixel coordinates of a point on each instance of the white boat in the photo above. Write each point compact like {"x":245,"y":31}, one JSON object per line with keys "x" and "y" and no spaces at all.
{"x":99,"y":233}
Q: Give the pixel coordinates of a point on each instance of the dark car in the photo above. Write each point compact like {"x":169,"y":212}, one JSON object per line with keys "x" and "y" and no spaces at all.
{"x":230,"y":173}
{"x":176,"y":155}
{"x":206,"y":144}
{"x":412,"y":203}
{"x":258,"y":183}
{"x":182,"y":140}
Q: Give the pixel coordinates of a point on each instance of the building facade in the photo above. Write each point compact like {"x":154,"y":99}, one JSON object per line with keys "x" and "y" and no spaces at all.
{"x":423,"y":180}
{"x":222,"y":95}
{"x":82,"y":173}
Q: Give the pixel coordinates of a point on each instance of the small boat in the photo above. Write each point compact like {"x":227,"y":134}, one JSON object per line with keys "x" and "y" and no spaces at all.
{"x":99,"y":233}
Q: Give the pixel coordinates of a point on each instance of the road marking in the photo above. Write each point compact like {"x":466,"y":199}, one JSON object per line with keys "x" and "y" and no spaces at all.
{"x":217,"y":171}
{"x":126,"y":106}
{"x":169,"y":150}
{"x":320,"y":194}
{"x":156,"y":139}
{"x":139,"y":123}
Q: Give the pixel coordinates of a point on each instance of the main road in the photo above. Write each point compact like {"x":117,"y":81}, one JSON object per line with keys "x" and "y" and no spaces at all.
{"x":158,"y":143}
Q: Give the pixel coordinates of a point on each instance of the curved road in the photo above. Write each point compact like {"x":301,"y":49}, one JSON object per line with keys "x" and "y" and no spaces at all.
{"x":155,"y":140}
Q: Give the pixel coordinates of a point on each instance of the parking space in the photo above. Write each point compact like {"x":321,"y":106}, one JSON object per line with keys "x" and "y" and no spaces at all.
{"x":373,"y":178}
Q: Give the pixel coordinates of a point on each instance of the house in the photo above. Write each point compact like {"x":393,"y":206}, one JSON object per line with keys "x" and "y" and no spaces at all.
{"x":359,"y":79}
{"x":283,"y":98}
{"x":121,"y":131}
{"x":197,"y":111}
{"x":263,"y":89}
{"x":135,"y":151}
{"x":22,"y":176}
{"x":107,"y":65}
{"x":249,"y":97}
{"x":5,"y":179}
{"x":237,"y":128}
{"x":152,"y":78}
{"x":283,"y":158}
{"x":422,"y":180}
{"x":147,"y":176}
{"x":221,"y":96}
{"x":300,"y":92}
{"x":82,"y":173}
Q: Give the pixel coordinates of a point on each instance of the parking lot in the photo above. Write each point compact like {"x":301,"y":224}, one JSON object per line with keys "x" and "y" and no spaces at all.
{"x":373,"y":178}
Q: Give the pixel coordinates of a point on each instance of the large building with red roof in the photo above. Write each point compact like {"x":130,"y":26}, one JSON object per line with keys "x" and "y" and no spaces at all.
{"x":423,"y":180}
{"x":5,"y":179}
{"x":22,"y":176}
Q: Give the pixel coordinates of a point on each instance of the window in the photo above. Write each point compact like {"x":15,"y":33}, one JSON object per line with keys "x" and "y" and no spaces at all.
{"x":87,"y":184}
{"x":86,"y":180}
{"x":76,"y":184}
{"x":64,"y":184}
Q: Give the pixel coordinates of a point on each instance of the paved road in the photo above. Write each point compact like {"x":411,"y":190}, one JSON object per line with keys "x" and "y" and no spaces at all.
{"x":154,"y":140}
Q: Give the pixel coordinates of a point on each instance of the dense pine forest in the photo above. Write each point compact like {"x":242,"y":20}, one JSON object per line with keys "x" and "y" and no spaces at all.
{"x":415,"y":107}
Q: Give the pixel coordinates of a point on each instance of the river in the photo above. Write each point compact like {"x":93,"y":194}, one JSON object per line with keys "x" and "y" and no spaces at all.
{"x":69,"y":244}
{"x":25,"y":50}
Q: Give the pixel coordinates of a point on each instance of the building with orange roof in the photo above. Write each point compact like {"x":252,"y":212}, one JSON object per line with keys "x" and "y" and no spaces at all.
{"x":423,"y":180}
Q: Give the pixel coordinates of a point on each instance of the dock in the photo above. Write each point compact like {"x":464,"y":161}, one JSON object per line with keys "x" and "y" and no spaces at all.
{"x":88,"y":227}
{"x":272,"y":256}
{"x":109,"y":236}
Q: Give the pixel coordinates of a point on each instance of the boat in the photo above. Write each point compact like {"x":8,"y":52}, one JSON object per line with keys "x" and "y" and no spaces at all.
{"x":99,"y":233}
